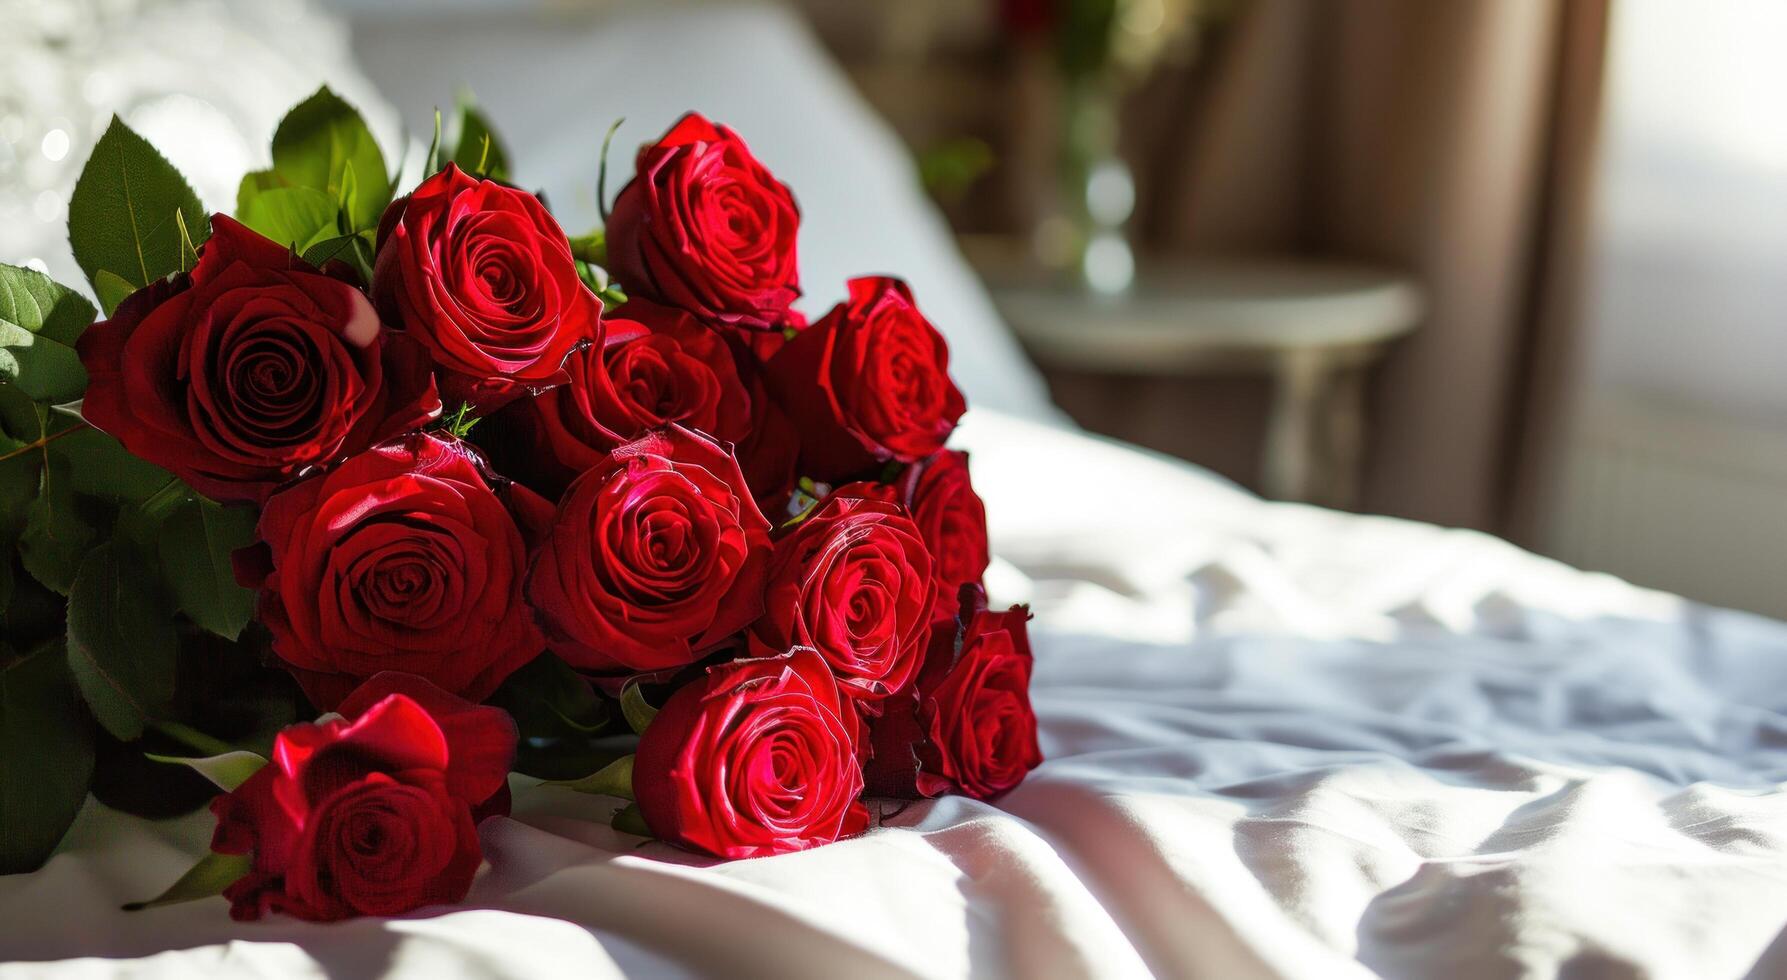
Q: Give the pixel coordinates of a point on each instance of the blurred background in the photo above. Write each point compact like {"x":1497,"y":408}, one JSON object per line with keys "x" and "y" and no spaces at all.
{"x":1518,"y":266}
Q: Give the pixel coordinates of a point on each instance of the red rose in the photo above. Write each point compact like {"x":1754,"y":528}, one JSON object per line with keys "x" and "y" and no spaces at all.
{"x":867,"y":384}
{"x":950,"y":517}
{"x":764,"y":344}
{"x":401,"y":558}
{"x":656,"y":554}
{"x":967,"y":725}
{"x":704,"y":227}
{"x":373,"y":813}
{"x":674,"y":369}
{"x":852,"y":581}
{"x":483,"y":277}
{"x":250,"y":370}
{"x":768,"y":455}
{"x":757,"y":757}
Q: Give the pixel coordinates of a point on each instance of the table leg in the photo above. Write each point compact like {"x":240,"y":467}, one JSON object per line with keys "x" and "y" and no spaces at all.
{"x":1293,"y":469}
{"x":1343,"y":458}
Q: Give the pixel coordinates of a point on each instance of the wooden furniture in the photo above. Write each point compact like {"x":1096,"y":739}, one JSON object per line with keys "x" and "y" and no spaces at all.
{"x":1312,"y":327}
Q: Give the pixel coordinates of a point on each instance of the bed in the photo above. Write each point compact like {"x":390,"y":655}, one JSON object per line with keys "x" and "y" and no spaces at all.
{"x":1281,"y":741}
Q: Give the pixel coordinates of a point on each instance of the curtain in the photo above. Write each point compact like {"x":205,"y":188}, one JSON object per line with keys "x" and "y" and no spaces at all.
{"x":1451,"y":140}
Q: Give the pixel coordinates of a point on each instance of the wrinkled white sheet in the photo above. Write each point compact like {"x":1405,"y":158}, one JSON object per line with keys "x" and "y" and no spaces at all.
{"x":1281,"y":741}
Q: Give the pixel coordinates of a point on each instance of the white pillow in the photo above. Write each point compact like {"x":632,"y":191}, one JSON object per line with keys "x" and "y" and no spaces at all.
{"x":552,"y":82}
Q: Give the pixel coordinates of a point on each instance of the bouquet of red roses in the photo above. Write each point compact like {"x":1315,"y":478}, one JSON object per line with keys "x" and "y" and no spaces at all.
{"x":602,"y":510}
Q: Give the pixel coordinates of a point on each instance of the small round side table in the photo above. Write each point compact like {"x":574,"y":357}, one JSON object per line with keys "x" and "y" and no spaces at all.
{"x":1312,"y":327}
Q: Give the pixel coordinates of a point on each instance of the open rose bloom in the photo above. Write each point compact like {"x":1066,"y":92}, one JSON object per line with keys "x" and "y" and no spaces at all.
{"x":431,"y":491}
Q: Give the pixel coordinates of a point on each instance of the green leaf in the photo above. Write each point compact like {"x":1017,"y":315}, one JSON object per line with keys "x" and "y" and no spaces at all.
{"x":346,"y":189}
{"x":19,"y":477}
{"x":121,"y":644}
{"x":324,"y":144}
{"x":56,"y":539}
{"x":255,"y":183}
{"x":614,"y":779}
{"x":547,"y":697}
{"x":40,"y":320}
{"x":100,"y":466}
{"x":228,"y":771}
{"x":479,"y":151}
{"x":112,"y":289}
{"x":561,"y":720}
{"x":630,"y":820}
{"x":602,"y":169}
{"x":296,"y":217}
{"x":121,"y":216}
{"x":355,"y":250}
{"x":591,"y":248}
{"x":634,"y":707}
{"x":21,"y":418}
{"x":433,"y":163}
{"x":46,"y":757}
{"x":189,"y":252}
{"x":196,"y":542}
{"x":18,"y":487}
{"x":140,"y":522}
{"x":206,"y":879}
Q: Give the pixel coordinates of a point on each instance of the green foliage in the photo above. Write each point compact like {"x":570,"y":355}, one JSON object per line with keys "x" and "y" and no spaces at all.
{"x":226,"y":770}
{"x":206,"y":879}
{"x":635,"y":708}
{"x":562,"y":721}
{"x":296,"y":217}
{"x":19,"y":464}
{"x":460,"y":424}
{"x":40,"y":320}
{"x":613,"y":779}
{"x":33,"y":614}
{"x":323,"y":144}
{"x":99,"y":466}
{"x":436,"y":160}
{"x":478,"y":150}
{"x":196,"y":541}
{"x":112,"y":289}
{"x":588,"y":252}
{"x":591,"y":248}
{"x":547,"y":697}
{"x":630,"y":819}
{"x":121,"y":641}
{"x":121,"y":218}
{"x":602,"y":168}
{"x":46,"y":756}
{"x":355,"y":250}
{"x":56,"y":537}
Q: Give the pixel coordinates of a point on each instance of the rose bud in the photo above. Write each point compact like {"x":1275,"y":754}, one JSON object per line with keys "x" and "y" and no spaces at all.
{"x":656,"y":555}
{"x":251,"y":369}
{"x":852,"y":581}
{"x":756,"y":757}
{"x":402,"y":558}
{"x":702,"y":226}
{"x":372,"y":813}
{"x":967,"y":725}
{"x":950,"y":517}
{"x":482,"y":276}
{"x":868,"y":384}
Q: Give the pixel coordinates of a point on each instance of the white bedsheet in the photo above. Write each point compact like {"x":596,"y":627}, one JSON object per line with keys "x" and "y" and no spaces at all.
{"x":1281,"y":741}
